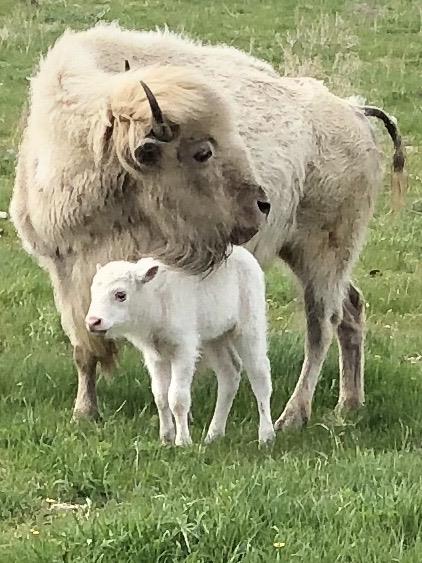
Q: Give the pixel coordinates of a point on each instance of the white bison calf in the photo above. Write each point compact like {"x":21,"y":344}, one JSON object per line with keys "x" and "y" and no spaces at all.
{"x":173,"y":317}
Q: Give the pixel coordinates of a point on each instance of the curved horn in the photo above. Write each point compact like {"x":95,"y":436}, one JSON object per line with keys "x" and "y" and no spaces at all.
{"x":155,"y":108}
{"x":127,"y":65}
{"x":162,"y":131}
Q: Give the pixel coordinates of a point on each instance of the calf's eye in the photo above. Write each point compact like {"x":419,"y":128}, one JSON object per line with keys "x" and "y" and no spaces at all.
{"x":120,"y":296}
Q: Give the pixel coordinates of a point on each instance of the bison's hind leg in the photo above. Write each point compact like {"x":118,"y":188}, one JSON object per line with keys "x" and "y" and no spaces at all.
{"x":323,"y":313}
{"x":350,"y":334}
{"x":322,"y":260}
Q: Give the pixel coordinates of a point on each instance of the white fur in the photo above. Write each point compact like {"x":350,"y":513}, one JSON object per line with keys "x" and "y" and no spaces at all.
{"x":174,"y":316}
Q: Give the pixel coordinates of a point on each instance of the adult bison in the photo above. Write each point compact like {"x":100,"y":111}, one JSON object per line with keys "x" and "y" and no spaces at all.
{"x":147,"y":142}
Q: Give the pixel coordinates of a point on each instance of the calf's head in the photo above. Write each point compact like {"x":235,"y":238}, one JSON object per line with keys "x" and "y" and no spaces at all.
{"x":176,"y":135}
{"x":117,"y":296}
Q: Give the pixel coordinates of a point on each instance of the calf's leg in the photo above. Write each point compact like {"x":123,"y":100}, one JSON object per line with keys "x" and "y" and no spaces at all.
{"x":179,"y":395}
{"x":253,"y":353}
{"x":225,"y":361}
{"x":160,"y":374}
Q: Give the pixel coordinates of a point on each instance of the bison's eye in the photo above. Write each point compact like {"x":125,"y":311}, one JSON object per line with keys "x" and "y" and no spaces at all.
{"x":120,"y":296}
{"x":204,"y":152}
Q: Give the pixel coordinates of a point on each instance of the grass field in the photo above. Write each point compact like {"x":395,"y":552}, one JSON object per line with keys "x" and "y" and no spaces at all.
{"x":346,"y":490}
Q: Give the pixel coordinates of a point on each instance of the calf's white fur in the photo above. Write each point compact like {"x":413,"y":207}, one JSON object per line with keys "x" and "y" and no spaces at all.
{"x":172,"y":317}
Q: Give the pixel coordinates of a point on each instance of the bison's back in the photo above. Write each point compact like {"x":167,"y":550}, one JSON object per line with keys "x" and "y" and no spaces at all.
{"x":305,"y":143}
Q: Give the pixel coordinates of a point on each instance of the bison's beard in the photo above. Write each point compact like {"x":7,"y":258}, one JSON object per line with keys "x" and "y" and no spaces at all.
{"x":190,"y":238}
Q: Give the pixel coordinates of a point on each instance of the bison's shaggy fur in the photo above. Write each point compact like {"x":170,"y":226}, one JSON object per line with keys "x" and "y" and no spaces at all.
{"x":82,"y":196}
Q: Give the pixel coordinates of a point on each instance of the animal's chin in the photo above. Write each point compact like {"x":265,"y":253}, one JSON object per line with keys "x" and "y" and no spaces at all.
{"x":242,"y":236}
{"x":102,"y":333}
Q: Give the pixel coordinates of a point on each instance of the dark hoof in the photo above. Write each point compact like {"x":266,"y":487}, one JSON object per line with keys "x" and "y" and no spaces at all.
{"x":294,"y":417}
{"x":352,"y":404}
{"x":90,"y":415}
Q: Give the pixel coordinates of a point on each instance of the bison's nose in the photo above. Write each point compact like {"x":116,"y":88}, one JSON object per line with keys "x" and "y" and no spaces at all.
{"x":264,"y":207}
{"x":94,"y":323}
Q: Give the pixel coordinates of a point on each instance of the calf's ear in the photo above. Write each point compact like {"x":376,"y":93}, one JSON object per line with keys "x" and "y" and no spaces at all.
{"x":149,"y":274}
{"x":98,"y":267}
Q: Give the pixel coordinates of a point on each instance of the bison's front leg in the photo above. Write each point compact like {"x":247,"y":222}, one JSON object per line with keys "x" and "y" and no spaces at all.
{"x":86,"y":399}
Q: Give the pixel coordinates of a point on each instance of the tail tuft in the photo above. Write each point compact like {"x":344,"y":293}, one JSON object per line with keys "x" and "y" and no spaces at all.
{"x":398,"y":175}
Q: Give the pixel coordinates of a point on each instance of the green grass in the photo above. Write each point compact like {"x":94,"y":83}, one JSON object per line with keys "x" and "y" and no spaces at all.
{"x":346,"y":490}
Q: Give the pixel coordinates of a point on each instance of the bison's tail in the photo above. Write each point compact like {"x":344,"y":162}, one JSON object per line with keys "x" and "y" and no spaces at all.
{"x":398,"y":175}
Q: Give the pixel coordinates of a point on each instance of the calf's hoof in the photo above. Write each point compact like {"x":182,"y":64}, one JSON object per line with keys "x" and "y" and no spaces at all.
{"x":267,"y":438}
{"x":183,"y":442}
{"x":294,"y":417}
{"x":167,"y":439}
{"x":212,"y":436}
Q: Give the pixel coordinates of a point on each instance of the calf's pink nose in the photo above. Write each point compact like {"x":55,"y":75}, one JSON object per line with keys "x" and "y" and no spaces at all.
{"x":94,"y":323}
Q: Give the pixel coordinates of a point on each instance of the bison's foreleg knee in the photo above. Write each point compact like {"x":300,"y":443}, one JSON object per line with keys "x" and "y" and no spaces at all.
{"x":86,"y":398}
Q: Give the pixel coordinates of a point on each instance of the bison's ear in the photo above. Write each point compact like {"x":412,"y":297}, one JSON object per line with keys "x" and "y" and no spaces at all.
{"x":101,"y":133}
{"x":109,"y":127}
